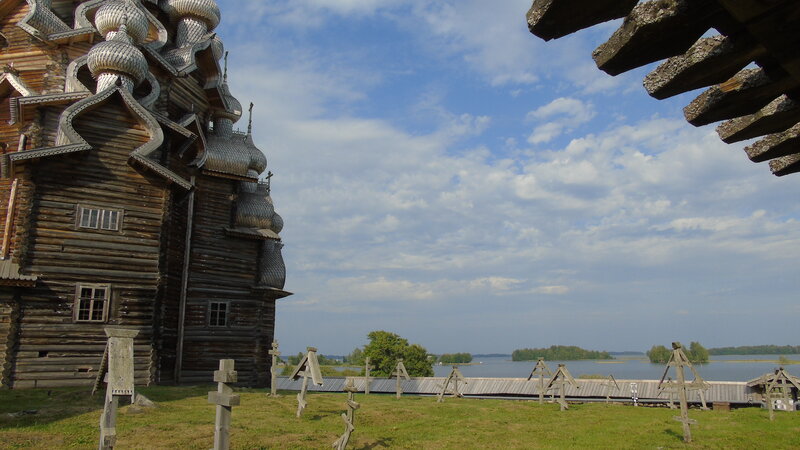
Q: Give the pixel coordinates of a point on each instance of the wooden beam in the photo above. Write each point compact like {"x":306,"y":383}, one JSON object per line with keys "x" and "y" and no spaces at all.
{"x":655,"y":30}
{"x":745,"y":93}
{"x":785,"y":165}
{"x":552,"y":19}
{"x":777,"y":116}
{"x":709,"y":61}
{"x":775,"y":145}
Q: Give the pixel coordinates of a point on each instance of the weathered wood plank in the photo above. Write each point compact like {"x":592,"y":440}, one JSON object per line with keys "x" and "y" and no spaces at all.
{"x":777,"y":116}
{"x":709,"y":61}
{"x":775,"y":145}
{"x":551,"y":19}
{"x":655,"y":30}
{"x":785,"y":165}
{"x":745,"y":93}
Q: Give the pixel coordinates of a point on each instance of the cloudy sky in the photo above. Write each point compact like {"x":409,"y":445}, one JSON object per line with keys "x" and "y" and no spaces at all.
{"x":447,"y":176}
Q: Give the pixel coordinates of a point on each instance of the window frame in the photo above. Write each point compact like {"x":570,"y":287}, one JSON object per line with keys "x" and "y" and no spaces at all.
{"x":102,"y":221}
{"x":79,"y":299}
{"x":211,"y":314}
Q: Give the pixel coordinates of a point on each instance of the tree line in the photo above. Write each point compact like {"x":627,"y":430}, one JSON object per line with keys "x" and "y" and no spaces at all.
{"x":696,"y":353}
{"x":757,"y":350}
{"x":558,"y":353}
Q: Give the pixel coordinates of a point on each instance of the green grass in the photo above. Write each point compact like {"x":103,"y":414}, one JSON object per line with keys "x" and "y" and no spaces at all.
{"x":68,"y":418}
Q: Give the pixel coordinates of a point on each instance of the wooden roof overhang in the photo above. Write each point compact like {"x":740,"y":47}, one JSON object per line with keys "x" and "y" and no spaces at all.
{"x":72,"y":142}
{"x":273,"y":292}
{"x":779,"y":377}
{"x":753,"y":102}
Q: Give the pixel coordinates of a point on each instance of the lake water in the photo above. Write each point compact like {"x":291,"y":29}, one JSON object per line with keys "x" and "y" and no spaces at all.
{"x":720,"y":368}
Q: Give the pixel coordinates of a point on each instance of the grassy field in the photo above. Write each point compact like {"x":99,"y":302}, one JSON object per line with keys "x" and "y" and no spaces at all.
{"x":68,"y":418}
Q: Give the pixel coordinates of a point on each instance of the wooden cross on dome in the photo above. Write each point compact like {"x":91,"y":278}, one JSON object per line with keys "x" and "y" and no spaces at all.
{"x":307,"y":367}
{"x":560,"y":379}
{"x":454,"y":377}
{"x":400,"y":372}
{"x":543,"y":371}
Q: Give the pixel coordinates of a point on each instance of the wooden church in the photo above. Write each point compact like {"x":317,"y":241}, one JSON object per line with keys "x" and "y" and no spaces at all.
{"x":127,"y":198}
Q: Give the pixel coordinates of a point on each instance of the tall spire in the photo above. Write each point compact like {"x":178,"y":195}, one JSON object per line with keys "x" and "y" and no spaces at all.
{"x":225,"y":75}
{"x":250,"y":122}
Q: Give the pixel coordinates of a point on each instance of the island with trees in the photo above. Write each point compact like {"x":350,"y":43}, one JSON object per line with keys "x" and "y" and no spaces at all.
{"x":455,"y":358}
{"x":558,"y":353}
{"x":696,"y":353}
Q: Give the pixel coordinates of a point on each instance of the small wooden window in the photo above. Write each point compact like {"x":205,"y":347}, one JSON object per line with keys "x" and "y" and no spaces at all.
{"x":99,"y":219}
{"x":91,"y":302}
{"x":218,"y":314}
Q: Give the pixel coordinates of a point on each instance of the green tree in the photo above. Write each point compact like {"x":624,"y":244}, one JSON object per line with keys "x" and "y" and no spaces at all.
{"x":697,"y":353}
{"x":659,"y":354}
{"x":385,"y":348}
{"x":355,"y":358}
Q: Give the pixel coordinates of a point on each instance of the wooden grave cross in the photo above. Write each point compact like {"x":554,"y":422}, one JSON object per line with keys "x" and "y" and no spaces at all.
{"x":560,"y":379}
{"x":454,"y":377}
{"x":679,"y":361}
{"x":399,"y":373}
{"x":307,"y":367}
{"x":543,"y":371}
{"x":273,"y":370}
{"x":117,"y":367}
{"x":367,"y":378}
{"x":611,"y":386}
{"x":349,"y":417}
{"x":225,"y":400}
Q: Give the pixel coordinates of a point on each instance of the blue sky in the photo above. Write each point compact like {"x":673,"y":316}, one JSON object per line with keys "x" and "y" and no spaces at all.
{"x":447,"y":176}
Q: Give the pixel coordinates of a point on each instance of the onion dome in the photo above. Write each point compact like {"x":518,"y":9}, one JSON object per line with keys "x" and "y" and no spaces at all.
{"x":110,"y":17}
{"x":233,"y":108}
{"x":117,"y":57}
{"x":204,"y":10}
{"x":254,"y":208}
{"x":226,"y":154}
{"x":195,"y":18}
{"x":217,"y":47}
{"x":258,"y":162}
{"x":272,"y":269}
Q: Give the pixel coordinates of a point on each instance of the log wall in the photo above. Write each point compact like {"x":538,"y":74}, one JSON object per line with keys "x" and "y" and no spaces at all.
{"x":223,"y":269}
{"x":54,"y":350}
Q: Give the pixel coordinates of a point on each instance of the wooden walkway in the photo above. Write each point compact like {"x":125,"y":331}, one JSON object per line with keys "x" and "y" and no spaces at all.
{"x":733,"y":392}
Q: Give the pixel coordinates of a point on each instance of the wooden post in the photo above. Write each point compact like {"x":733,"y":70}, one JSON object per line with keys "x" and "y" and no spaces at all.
{"x":273,"y":385}
{"x":307,"y":367}
{"x":349,"y":417}
{"x":12,"y":198}
{"x":119,"y":355}
{"x":562,"y":377}
{"x":610,"y":383}
{"x":399,"y":373}
{"x":187,"y":255}
{"x":679,"y":361}
{"x":684,"y":418}
{"x":454,"y":377}
{"x":542,"y":370}
{"x":367,"y":378}
{"x":225,"y":400}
